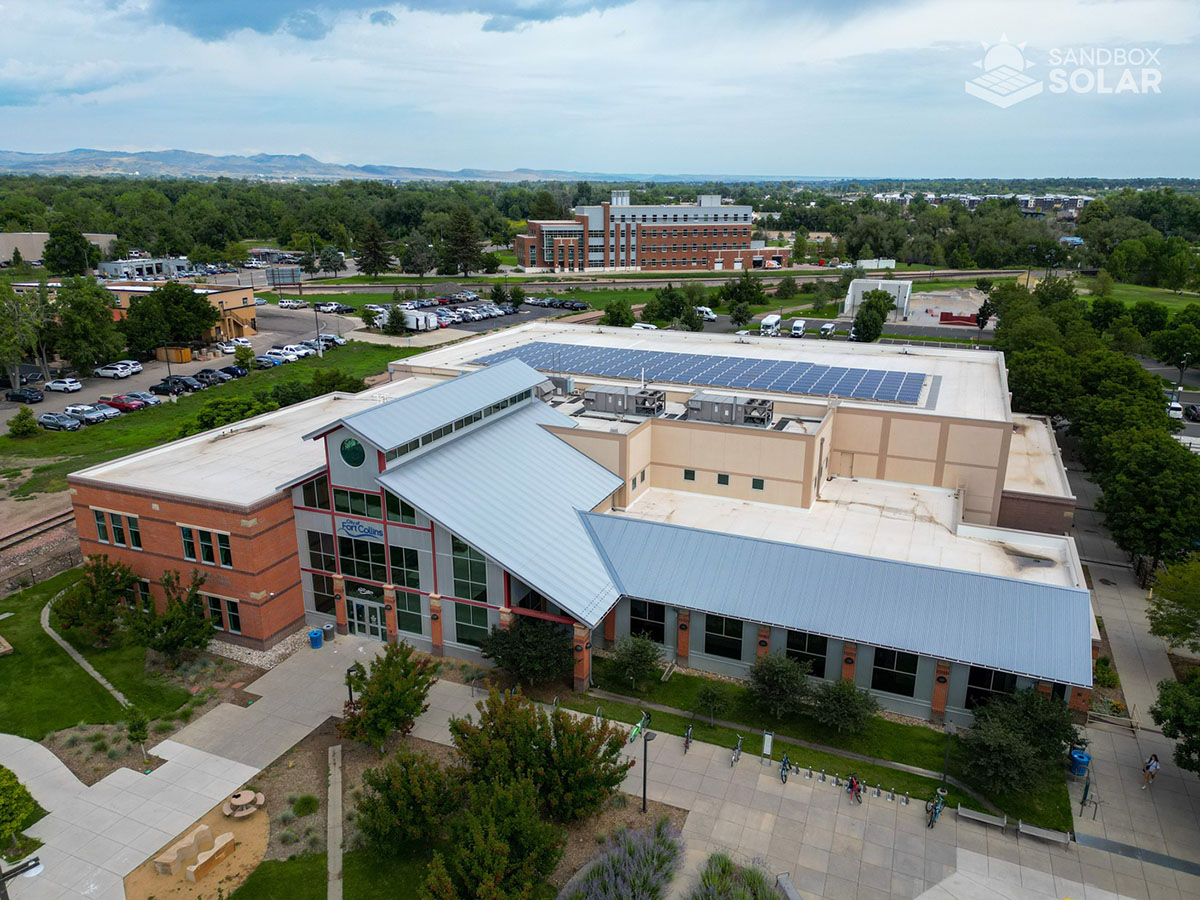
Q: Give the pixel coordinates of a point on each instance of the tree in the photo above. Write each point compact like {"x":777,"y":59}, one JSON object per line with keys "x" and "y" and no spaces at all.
{"x":984,"y":315}
{"x":779,"y":684}
{"x":225,"y":411}
{"x":617,"y":314}
{"x":868,"y":324}
{"x":24,"y":424}
{"x":1174,"y":611}
{"x":67,"y":251}
{"x":1103,"y":285}
{"x":85,"y":334}
{"x":786,"y":289}
{"x":16,"y":805}
{"x":1043,"y":381}
{"x":331,"y":260}
{"x":137,"y":728}
{"x":183,"y":624}
{"x":800,"y":246}
{"x":418,"y":256}
{"x":545,"y":207}
{"x":437,"y":884}
{"x":462,"y":239}
{"x":1176,"y":712}
{"x":740,"y":314}
{"x":394,"y":325}
{"x":516,"y":296}
{"x":309,"y":264}
{"x":18,"y":330}
{"x":744,"y":289}
{"x":1149,"y":316}
{"x":712,"y":699}
{"x":498,"y":295}
{"x":843,"y":707}
{"x":17,"y":260}
{"x":1178,"y":346}
{"x":636,"y":658}
{"x":374,"y":251}
{"x":1017,"y":739}
{"x":407,"y":800}
{"x":985,"y":286}
{"x":998,"y":758}
{"x":96,"y":601}
{"x":243,"y":356}
{"x":533,"y":651}
{"x":388,"y":697}
{"x":368,"y":317}
{"x":145,"y":326}
{"x":691,"y":320}
{"x":490,"y":262}
{"x":1104,"y":311}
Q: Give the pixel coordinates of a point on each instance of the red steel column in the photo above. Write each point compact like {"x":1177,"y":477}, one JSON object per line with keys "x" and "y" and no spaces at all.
{"x":849,"y":656}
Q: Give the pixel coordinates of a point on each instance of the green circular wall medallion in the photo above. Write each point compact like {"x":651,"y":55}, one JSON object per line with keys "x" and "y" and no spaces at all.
{"x":353,"y":453}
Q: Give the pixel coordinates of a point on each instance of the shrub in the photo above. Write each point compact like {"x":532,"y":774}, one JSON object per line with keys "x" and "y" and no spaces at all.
{"x":23,"y":424}
{"x":1016,"y":739}
{"x":407,"y":800}
{"x":16,"y":805}
{"x":163,"y":727}
{"x":633,"y":864}
{"x":72,"y":741}
{"x":779,"y":684}
{"x":843,"y":707}
{"x":388,"y":697}
{"x":533,"y":651}
{"x":1105,"y":675}
{"x":287,"y":817}
{"x":712,"y":699}
{"x":722,"y":879}
{"x":636,"y":658}
{"x":114,"y":753}
{"x":287,"y":837}
{"x":305,"y":805}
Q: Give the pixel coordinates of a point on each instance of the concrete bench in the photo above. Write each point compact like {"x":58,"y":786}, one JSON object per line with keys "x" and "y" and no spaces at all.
{"x":171,"y":860}
{"x":1000,"y":822}
{"x":784,"y":883}
{"x":1046,"y":834}
{"x":221,"y":849}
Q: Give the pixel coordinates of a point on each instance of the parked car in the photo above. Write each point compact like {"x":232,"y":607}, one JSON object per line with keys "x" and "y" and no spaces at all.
{"x":66,"y":385}
{"x":221,"y":377}
{"x":1191,"y":412}
{"x":298,"y":350}
{"x":109,"y":412}
{"x":24,"y":395}
{"x":113,"y":370}
{"x":187,"y":382}
{"x":260,"y":301}
{"x":344,"y":308}
{"x":85,"y":414}
{"x":1174,"y":409}
{"x":131,"y":364}
{"x":58,"y":422}
{"x":167,"y":389}
{"x":374,"y":307}
{"x":644,"y":326}
{"x":316,"y":346}
{"x":241,"y":342}
{"x":123,"y":402}
{"x":265,"y":362}
{"x":332,"y":338}
{"x":282,"y":355}
{"x":828,"y":329}
{"x":209,"y":378}
{"x":234,"y":371}
{"x":226,"y":347}
{"x":145,"y":396}
{"x":327,"y":307}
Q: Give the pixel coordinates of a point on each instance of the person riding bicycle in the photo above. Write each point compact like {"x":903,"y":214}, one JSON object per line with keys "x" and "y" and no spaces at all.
{"x":852,"y":785}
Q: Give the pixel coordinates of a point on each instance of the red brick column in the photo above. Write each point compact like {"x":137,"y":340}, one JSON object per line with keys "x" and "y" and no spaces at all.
{"x":435,"y":623}
{"x":1043,"y":688}
{"x":389,"y":613}
{"x":339,"y":604}
{"x":1079,"y":701}
{"x":849,"y":656}
{"x":506,"y":618}
{"x":941,"y":687}
{"x":610,"y":626}
{"x":764,"y":641}
{"x":683,"y":638}
{"x":582,"y":649}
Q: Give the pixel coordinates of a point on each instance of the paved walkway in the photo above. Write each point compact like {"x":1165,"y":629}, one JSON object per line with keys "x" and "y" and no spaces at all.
{"x":76,"y":655}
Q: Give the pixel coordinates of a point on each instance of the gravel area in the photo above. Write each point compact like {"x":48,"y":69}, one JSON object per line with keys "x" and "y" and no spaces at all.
{"x":262,"y":659}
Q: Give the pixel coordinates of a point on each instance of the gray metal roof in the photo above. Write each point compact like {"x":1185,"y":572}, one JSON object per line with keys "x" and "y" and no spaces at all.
{"x":521,"y":507}
{"x":407,"y":418}
{"x":1032,"y":629}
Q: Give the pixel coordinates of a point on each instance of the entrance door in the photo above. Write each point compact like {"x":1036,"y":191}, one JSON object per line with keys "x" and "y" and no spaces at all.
{"x":365,"y":618}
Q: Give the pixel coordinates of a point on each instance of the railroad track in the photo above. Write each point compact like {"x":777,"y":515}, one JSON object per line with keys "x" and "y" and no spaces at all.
{"x":29,"y":532}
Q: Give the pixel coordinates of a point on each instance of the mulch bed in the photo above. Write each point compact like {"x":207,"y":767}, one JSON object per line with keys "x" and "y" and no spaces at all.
{"x":1182,"y":666}
{"x":1106,"y":700}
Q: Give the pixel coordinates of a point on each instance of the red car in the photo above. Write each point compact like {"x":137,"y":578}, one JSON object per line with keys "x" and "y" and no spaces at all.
{"x":122,"y":402}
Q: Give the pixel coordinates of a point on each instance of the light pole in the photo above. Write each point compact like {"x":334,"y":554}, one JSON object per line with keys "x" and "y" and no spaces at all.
{"x":951,"y":730}
{"x":647,"y":737}
{"x":29,"y":868}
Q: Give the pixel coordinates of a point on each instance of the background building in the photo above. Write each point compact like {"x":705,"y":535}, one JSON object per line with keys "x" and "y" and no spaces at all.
{"x":32,"y":244}
{"x":239,"y":317}
{"x":145,"y":267}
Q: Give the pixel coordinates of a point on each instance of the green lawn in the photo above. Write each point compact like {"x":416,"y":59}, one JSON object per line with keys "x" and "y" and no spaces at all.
{"x":74,"y":450}
{"x":1132,"y":293}
{"x":507,"y":257}
{"x":944,"y":285}
{"x":302,"y":877}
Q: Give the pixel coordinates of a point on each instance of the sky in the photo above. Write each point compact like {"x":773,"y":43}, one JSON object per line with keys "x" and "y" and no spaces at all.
{"x":856,"y":88}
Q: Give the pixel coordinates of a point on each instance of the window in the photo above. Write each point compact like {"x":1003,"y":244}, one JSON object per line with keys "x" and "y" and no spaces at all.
{"x":809,"y":648}
{"x":470,"y":572}
{"x":723,"y":637}
{"x":408,"y":612}
{"x":206,"y":547}
{"x":209,"y":542}
{"x":320,"y":551}
{"x":689,"y":474}
{"x":642,"y":477}
{"x":357,"y":503}
{"x":138,"y":596}
{"x":322,"y":588}
{"x":405,"y":570}
{"x":189,"y":544}
{"x":756,"y":484}
{"x":214,"y":613}
{"x":118,"y":529}
{"x":471,"y":624}
{"x":135,"y":532}
{"x":315,"y":493}
{"x":895,"y":672}
{"x":362,"y":559}
{"x":648,"y":620}
{"x":233,"y":616}
{"x":399,"y":511}
{"x":223,"y":550}
{"x":983,"y":684}
{"x":101,"y":527}
{"x":722,"y":479}
{"x":353,"y":453}
{"x":633,"y":484}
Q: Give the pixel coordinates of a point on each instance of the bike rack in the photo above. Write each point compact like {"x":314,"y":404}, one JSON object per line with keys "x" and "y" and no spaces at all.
{"x":891,"y":795}
{"x":599,"y":715}
{"x":904,"y":799}
{"x":837,"y":780}
{"x":809,"y":773}
{"x":876,"y":794}
{"x":822,"y":776}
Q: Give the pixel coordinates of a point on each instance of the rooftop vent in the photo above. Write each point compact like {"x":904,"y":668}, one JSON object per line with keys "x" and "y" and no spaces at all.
{"x":730,"y":410}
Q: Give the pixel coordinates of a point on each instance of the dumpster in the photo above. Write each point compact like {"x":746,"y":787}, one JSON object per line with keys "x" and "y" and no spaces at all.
{"x":330,"y":630}
{"x":314,"y":638}
{"x":1080,"y":762}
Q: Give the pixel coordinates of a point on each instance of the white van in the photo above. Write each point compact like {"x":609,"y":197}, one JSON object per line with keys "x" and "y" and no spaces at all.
{"x":1174,"y":410}
{"x":706,"y":314}
{"x":828,"y":329}
{"x":770,"y":325}
{"x":644,"y":326}
{"x":798,"y":326}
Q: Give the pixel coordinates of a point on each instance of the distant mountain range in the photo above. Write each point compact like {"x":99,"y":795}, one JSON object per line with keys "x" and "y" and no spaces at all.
{"x":302,"y":167}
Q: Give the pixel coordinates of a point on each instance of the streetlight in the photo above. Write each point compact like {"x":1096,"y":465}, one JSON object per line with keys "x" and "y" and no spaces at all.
{"x":951,"y":730}
{"x":29,"y":868}
{"x":647,"y":737}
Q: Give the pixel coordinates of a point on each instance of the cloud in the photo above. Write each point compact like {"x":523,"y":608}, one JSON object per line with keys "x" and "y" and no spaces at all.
{"x":382,"y":17}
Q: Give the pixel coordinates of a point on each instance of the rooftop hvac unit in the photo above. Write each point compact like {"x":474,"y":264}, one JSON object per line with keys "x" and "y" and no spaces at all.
{"x":730,"y":410}
{"x":619,"y":400}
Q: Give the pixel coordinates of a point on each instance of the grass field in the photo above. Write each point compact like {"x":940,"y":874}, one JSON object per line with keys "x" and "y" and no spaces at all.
{"x":1132,"y":293}
{"x":58,"y":453}
{"x":923,"y":286}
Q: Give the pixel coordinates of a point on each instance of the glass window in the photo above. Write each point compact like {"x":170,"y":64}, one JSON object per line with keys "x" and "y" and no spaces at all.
{"x":353,"y":453}
{"x":689,"y":474}
{"x":137,"y":596}
{"x":323,"y":602}
{"x":135,"y":532}
{"x":809,"y":648}
{"x":633,"y":484}
{"x":214,"y":613}
{"x":101,"y":527}
{"x":471,"y":624}
{"x":723,"y":637}
{"x":189,"y":544}
{"x":405,"y":571}
{"x":400,"y":511}
{"x":648,"y":620}
{"x":118,"y":529}
{"x":756,"y":484}
{"x":408,"y":612}
{"x":722,"y":479}
{"x":315,"y":493}
{"x":983,"y":684}
{"x":223,"y":549}
{"x":642,"y":477}
{"x":470,"y":572}
{"x":320,"y":551}
{"x":362,"y":559}
{"x":895,"y":672}
{"x":234,"y":616}
{"x":206,"y":547}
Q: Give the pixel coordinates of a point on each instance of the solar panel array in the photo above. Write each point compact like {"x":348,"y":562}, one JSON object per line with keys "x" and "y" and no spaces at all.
{"x":784,"y":376}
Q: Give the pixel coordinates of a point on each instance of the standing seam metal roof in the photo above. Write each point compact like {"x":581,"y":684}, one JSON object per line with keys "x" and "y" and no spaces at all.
{"x":525,"y":515}
{"x":1032,"y":629}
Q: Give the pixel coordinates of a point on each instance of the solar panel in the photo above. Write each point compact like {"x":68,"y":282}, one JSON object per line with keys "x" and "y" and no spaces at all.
{"x":778,"y":375}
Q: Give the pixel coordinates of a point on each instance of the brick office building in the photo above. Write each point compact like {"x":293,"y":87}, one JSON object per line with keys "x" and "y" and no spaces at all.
{"x":678,"y":237}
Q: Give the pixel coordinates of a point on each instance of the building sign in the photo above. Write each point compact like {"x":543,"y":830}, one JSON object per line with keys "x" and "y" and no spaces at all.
{"x":356,"y":529}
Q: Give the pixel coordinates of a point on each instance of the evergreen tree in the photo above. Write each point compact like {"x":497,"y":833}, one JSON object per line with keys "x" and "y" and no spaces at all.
{"x":418,"y":256}
{"x":463,"y":240}
{"x":374,"y":253}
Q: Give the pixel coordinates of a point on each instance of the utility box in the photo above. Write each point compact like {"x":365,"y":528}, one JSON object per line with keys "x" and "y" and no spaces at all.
{"x":618,"y":400}
{"x":730,"y":410}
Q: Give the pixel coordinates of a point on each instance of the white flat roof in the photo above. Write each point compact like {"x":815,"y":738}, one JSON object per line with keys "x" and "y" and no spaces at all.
{"x":877,"y":519}
{"x":1034,"y":464}
{"x":959,"y":383}
{"x":244,"y":463}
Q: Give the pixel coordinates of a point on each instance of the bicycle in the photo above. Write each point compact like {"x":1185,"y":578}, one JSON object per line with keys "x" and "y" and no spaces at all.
{"x":934,"y":807}
{"x":637,"y":729}
{"x":854,"y":787}
{"x":687,"y":739}
{"x":737,"y":753}
{"x":785,"y":766}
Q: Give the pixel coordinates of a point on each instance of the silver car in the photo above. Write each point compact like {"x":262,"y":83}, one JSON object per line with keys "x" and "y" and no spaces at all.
{"x":88,"y":415}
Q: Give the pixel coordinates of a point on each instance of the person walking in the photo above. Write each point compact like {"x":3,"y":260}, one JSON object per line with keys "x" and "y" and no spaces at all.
{"x":1149,"y":770}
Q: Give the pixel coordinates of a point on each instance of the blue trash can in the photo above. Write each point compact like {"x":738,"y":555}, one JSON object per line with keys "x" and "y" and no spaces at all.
{"x":1080,"y":762}
{"x":315,"y":638}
